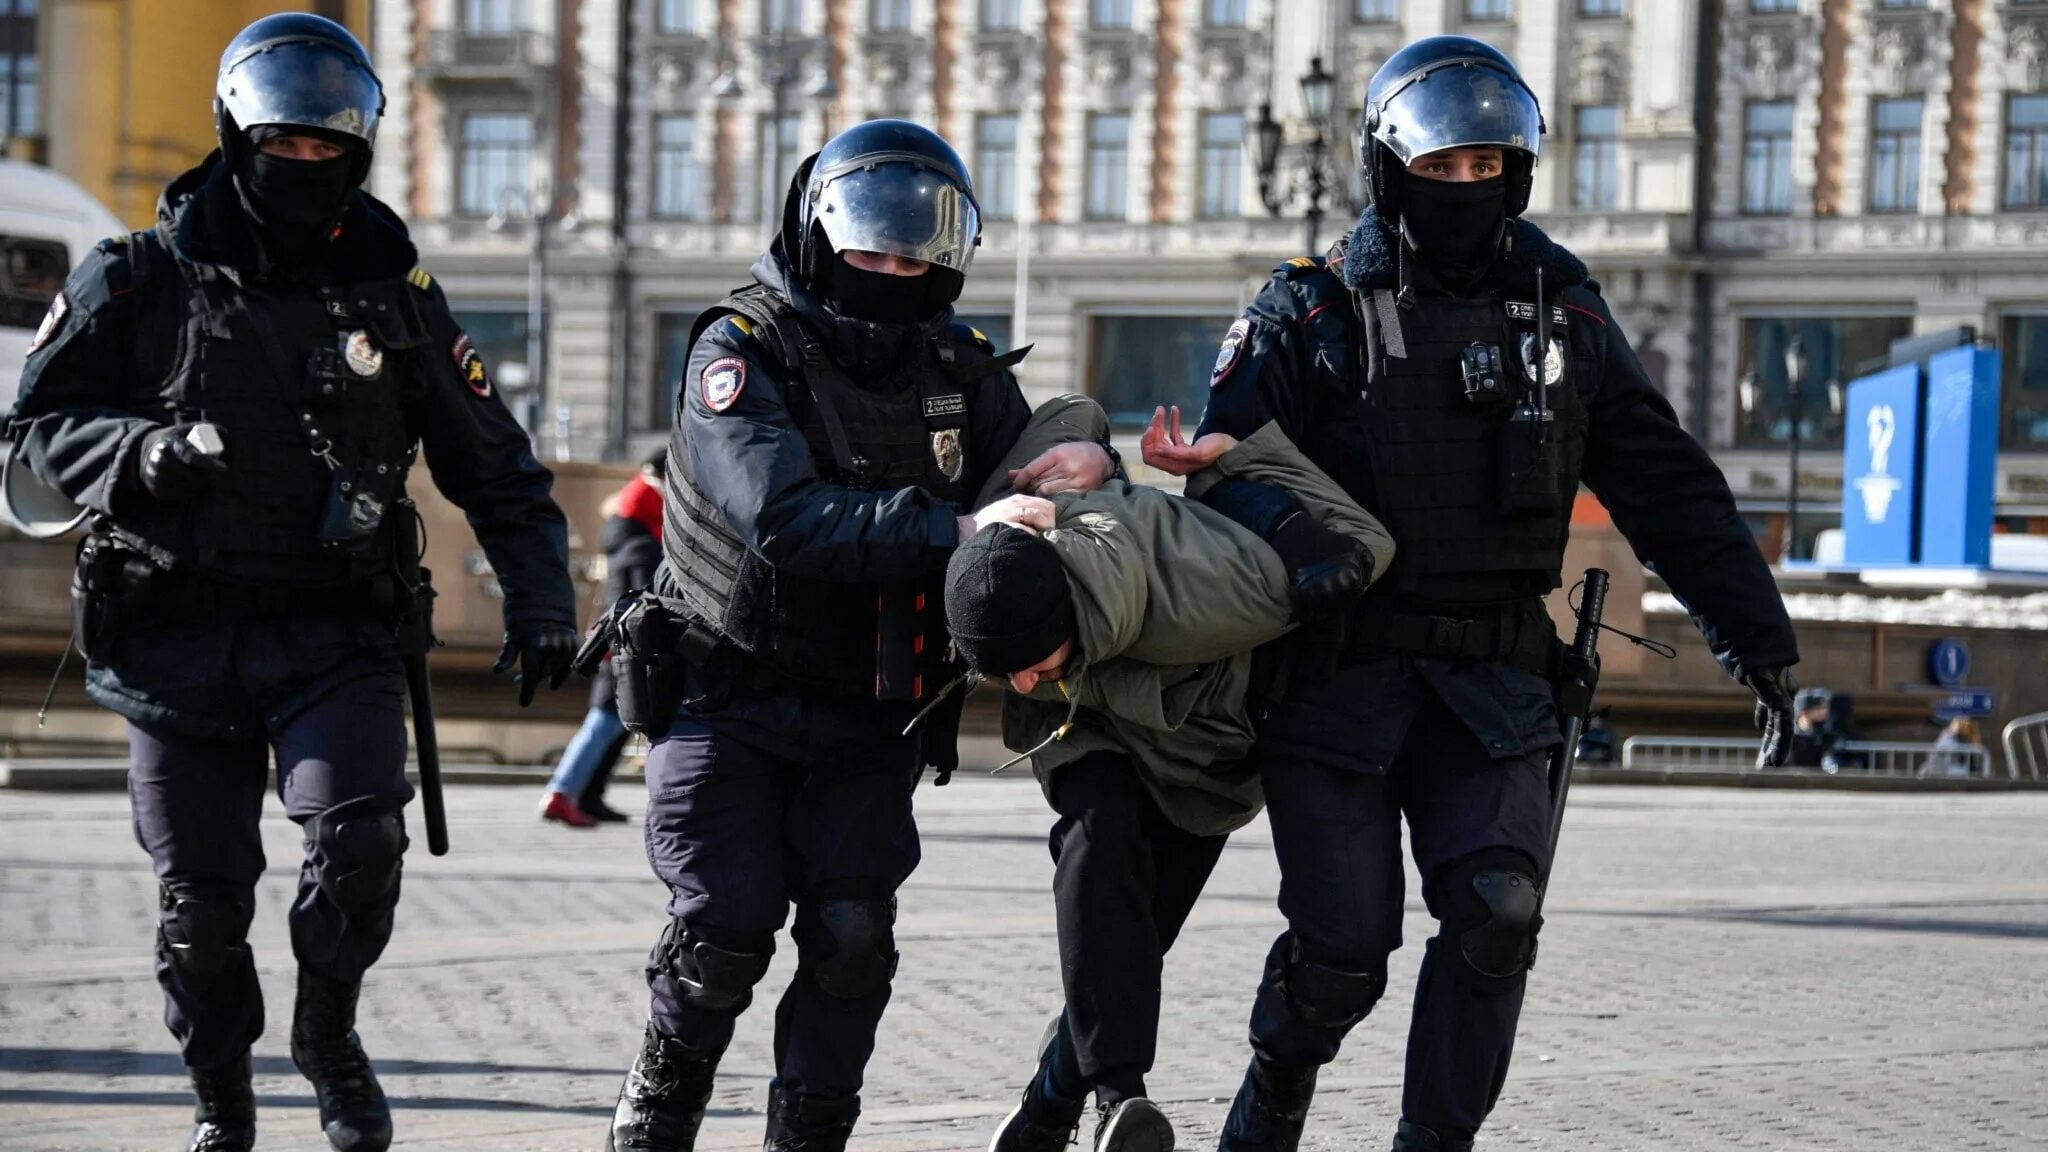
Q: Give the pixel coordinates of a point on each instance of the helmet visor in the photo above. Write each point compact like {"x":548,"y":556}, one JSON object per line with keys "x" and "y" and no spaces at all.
{"x":302,"y":83}
{"x":1459,"y":106}
{"x":902,"y":208}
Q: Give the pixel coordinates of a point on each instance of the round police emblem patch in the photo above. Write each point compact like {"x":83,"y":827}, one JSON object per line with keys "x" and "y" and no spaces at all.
{"x":364,"y":357}
{"x":722,"y":380}
{"x":1233,"y":344}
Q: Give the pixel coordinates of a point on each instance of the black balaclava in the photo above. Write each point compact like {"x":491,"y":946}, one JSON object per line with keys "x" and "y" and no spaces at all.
{"x":883,"y":298}
{"x":295,"y":203}
{"x":1455,"y":227}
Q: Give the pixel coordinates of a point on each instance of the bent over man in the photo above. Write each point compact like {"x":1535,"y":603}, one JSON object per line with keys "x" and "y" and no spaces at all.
{"x":832,"y":429}
{"x":1459,"y":374}
{"x":239,"y":395}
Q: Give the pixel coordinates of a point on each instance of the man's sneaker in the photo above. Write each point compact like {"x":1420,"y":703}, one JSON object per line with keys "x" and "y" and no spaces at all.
{"x":1133,"y":1124}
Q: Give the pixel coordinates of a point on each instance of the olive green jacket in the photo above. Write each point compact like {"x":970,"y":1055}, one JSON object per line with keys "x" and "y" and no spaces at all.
{"x":1170,"y":598}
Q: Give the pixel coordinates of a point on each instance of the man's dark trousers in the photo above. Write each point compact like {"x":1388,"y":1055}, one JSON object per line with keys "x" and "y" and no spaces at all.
{"x":1124,"y":880}
{"x":766,"y":801}
{"x":339,"y":736}
{"x":1473,"y":784}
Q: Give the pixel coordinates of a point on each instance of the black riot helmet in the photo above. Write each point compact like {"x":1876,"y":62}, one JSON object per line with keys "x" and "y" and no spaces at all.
{"x":300,"y":71}
{"x":888,"y":186}
{"x":1447,"y":92}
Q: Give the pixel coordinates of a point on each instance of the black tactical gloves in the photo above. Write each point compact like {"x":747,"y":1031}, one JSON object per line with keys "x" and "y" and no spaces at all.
{"x":177,"y":460}
{"x":1326,"y":570}
{"x":1774,"y":689}
{"x":543,"y":652}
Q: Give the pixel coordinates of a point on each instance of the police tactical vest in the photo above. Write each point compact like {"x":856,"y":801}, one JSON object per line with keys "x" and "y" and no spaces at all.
{"x":307,"y":388}
{"x":908,"y":429}
{"x":1479,"y":517}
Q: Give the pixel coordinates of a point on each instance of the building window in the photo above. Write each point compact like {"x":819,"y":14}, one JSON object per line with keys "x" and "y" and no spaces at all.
{"x":2026,"y":151}
{"x":677,"y":177}
{"x":1600,"y":7}
{"x":1224,"y":13}
{"x":1486,"y":9}
{"x":782,"y":15}
{"x":781,"y":154}
{"x":1001,"y":15}
{"x":2024,"y":396}
{"x":1110,"y":13}
{"x":1222,"y":175}
{"x":497,"y":156}
{"x":493,"y":17}
{"x":1137,"y":363}
{"x":18,"y":68}
{"x":995,"y":167}
{"x":1375,"y":11}
{"x":1774,"y":5}
{"x":1767,"y":159}
{"x":671,"y":360}
{"x":1109,"y":162}
{"x":1838,"y":350}
{"x":677,"y":17}
{"x":1895,"y":156}
{"x":891,"y":15}
{"x":1596,"y":159}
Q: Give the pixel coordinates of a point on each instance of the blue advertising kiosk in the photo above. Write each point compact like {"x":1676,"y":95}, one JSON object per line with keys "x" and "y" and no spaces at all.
{"x":1920,"y":462}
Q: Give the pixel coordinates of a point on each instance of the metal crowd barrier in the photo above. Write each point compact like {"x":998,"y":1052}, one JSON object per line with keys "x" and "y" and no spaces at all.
{"x":2026,"y":746}
{"x":1861,"y":757}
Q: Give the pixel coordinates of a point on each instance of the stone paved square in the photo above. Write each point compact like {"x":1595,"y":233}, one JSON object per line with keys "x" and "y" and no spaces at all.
{"x":1720,"y":970}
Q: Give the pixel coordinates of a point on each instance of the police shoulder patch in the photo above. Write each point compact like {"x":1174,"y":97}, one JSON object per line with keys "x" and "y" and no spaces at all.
{"x":1231,"y":352}
{"x":722,"y":381}
{"x":469,"y":364}
{"x":52,"y":320}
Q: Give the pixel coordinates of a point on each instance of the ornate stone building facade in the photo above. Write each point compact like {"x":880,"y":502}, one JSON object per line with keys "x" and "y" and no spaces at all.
{"x":1735,"y":171}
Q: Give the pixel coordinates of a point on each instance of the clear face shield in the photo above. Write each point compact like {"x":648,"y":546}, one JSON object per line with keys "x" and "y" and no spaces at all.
{"x":899,"y":206}
{"x":1459,"y":106}
{"x":302,"y":83}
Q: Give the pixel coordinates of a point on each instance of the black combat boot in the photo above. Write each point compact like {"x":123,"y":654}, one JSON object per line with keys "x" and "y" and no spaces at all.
{"x":1270,"y":1108}
{"x":1415,"y":1138}
{"x":353,"y":1111}
{"x":1044,"y":1120}
{"x":798,"y":1122}
{"x":224,"y":1119}
{"x":1133,"y":1124}
{"x":662,"y":1102}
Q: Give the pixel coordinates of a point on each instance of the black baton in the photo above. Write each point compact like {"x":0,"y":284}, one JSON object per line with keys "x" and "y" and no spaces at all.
{"x":429,"y":748}
{"x":1577,"y":677}
{"x":415,"y":640}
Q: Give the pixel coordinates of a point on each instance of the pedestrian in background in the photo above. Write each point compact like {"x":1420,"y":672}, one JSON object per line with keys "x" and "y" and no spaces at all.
{"x":632,"y":549}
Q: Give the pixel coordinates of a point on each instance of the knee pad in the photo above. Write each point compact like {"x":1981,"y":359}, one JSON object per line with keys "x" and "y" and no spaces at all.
{"x":356,"y":849}
{"x":1489,"y":904}
{"x":848,"y":946}
{"x":710,"y":977}
{"x":1325,"y":990}
{"x":203,"y":935}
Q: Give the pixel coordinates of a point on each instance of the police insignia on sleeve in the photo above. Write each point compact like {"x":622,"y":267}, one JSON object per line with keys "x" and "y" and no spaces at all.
{"x":52,"y":320}
{"x":1233,"y":346}
{"x":469,"y":363}
{"x":722,"y":381}
{"x":363,"y":356}
{"x":946,"y":453}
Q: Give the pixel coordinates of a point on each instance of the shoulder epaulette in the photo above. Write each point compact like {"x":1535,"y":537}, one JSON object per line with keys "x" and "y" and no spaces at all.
{"x":1299,"y":266}
{"x":737,"y":327}
{"x":419,"y":279}
{"x":975,"y":336}
{"x":113,"y":242}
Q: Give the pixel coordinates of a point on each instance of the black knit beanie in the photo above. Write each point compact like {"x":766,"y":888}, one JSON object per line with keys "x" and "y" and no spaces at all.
{"x":1007,"y":601}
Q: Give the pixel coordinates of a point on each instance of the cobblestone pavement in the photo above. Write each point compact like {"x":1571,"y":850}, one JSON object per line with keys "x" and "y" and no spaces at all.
{"x":1741,"y":970}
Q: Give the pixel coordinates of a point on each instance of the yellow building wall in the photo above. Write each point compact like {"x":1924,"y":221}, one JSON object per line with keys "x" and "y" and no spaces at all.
{"x":127,"y":88}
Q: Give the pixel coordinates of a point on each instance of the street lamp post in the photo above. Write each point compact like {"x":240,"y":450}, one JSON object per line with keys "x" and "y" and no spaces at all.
{"x":1795,"y":383}
{"x":782,"y":57}
{"x":1314,"y":180}
{"x":516,"y":205}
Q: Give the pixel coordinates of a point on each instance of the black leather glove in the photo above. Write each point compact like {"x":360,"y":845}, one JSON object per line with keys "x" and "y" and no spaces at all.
{"x":543,"y":652}
{"x":1774,"y":689}
{"x":176,"y":463}
{"x":1326,"y":570}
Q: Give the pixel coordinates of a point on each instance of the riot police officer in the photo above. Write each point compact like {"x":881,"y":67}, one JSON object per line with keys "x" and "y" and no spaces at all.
{"x":1460,"y":375}
{"x":832,"y":429}
{"x":238,"y":395}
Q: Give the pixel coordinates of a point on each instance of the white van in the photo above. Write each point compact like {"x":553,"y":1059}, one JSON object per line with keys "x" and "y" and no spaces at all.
{"x":47,"y":225}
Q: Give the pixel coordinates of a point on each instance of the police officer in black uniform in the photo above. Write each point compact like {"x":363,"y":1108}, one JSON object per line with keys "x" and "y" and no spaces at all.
{"x":1460,"y":375}
{"x":832,"y":429}
{"x":238,"y":395}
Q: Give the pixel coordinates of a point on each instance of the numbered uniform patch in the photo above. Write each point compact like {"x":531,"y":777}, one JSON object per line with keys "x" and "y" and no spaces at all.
{"x":722,"y":381}
{"x":52,"y":320}
{"x":1233,"y":346}
{"x":470,"y":364}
